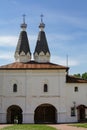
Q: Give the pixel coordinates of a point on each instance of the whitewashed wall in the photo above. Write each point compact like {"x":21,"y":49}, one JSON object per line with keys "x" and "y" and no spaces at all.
{"x":30,"y":93}
{"x":80,"y":98}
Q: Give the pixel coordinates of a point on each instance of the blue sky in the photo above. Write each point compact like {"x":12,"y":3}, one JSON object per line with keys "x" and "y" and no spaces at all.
{"x":66,"y":29}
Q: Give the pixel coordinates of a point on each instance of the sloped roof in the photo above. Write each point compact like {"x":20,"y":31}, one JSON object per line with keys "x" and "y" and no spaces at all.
{"x":73,"y":79}
{"x":41,"y":45}
{"x":23,"y":44}
{"x":32,"y":65}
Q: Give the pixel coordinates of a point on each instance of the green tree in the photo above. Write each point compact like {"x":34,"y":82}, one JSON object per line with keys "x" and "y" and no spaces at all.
{"x":84,"y":75}
{"x":78,"y":75}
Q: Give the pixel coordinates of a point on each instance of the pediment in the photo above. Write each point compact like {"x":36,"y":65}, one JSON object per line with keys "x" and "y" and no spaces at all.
{"x":22,"y":53}
{"x":41,"y":53}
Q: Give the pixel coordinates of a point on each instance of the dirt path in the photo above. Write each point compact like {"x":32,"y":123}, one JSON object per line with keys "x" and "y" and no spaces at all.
{"x":66,"y":127}
{"x":4,"y":125}
{"x":58,"y":127}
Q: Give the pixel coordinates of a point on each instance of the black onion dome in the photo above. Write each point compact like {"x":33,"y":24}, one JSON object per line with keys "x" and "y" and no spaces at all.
{"x":41,"y":45}
{"x":23,"y":44}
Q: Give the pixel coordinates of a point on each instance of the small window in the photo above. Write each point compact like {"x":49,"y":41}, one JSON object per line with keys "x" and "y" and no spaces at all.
{"x":72,"y":111}
{"x":76,"y":89}
{"x":15,"y":88}
{"x":45,"y":88}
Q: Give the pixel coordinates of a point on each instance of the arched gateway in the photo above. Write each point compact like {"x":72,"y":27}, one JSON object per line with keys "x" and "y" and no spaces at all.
{"x":14,"y":112}
{"x":45,"y":113}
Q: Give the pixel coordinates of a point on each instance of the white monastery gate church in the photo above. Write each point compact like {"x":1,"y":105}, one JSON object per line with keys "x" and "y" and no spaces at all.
{"x":38,"y":91}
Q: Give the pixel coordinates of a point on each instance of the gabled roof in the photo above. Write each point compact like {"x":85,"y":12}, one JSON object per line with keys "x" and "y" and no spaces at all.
{"x":73,"y":79}
{"x":41,"y":45}
{"x":23,"y":44}
{"x":32,"y":65}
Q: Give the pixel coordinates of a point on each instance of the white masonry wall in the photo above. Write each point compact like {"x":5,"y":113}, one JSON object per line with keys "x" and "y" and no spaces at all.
{"x":80,"y":98}
{"x":30,"y":92}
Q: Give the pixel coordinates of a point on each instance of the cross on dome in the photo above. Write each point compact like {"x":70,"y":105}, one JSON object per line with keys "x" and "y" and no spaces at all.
{"x":24,"y":18}
{"x":41,"y":18}
{"x":23,"y":25}
{"x":42,"y":25}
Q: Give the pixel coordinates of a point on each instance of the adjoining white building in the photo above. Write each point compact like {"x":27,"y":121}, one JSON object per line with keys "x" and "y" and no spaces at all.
{"x":39,"y":91}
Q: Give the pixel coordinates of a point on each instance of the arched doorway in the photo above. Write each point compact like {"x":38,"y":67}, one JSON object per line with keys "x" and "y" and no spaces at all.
{"x":45,"y":113}
{"x":14,"y":112}
{"x":81,"y":112}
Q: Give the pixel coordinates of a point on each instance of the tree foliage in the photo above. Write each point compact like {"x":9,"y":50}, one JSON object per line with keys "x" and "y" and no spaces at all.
{"x":78,"y":75}
{"x":83,"y":76}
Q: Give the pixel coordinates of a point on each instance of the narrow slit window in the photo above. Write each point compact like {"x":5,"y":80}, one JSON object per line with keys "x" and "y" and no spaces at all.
{"x":15,"y":88}
{"x":45,"y":88}
{"x":76,"y":89}
{"x":72,"y":111}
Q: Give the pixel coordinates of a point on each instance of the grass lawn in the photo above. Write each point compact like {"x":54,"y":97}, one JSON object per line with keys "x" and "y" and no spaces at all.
{"x":84,"y":125}
{"x":28,"y":127}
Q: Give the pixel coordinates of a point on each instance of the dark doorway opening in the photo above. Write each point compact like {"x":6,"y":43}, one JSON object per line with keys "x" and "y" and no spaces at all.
{"x":14,"y":114}
{"x":81,"y":113}
{"x":45,"y":113}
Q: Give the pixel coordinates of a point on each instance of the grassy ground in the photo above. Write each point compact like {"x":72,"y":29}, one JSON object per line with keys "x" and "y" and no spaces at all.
{"x":28,"y":127}
{"x":84,"y":125}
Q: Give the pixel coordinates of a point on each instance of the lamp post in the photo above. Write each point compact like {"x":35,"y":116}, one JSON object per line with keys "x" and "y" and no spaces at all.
{"x":74,"y":103}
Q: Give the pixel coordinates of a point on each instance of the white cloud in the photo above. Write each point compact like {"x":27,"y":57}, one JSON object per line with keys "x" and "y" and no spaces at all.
{"x":63,"y":61}
{"x":9,"y":56}
{"x":12,"y":40}
{"x":8,"y":40}
{"x":59,"y":37}
{"x":75,"y":20}
{"x":6,"y":55}
{"x":32,"y":38}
